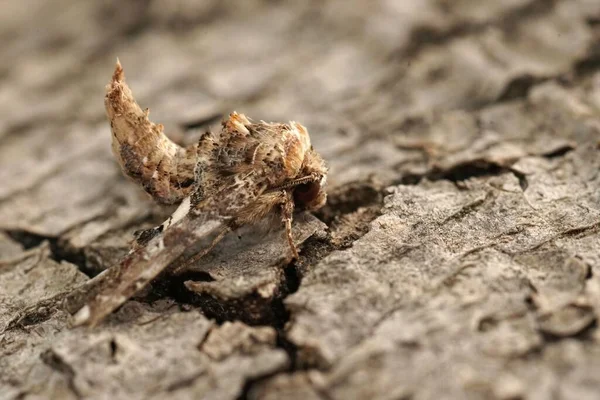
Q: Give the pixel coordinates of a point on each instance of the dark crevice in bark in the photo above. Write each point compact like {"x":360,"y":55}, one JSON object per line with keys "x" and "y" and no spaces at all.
{"x":581,"y":230}
{"x":461,"y":172}
{"x":559,"y":152}
{"x":423,"y":37}
{"x":348,"y":198}
{"x":292,"y":278}
{"x":249,"y":383}
{"x":55,"y":362}
{"x":586,"y":334}
{"x":523,"y":183}
{"x":519,"y":87}
{"x":173,"y":286}
{"x":26,"y":239}
{"x":593,"y":21}
{"x":58,"y":252}
{"x":467,"y":170}
{"x":589,"y":65}
{"x":252,"y":309}
{"x":114,"y":347}
{"x":589,"y":273}
{"x":349,"y":211}
{"x":532,"y":9}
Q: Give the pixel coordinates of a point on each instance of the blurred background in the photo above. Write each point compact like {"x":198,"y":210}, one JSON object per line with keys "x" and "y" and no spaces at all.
{"x":500,"y":95}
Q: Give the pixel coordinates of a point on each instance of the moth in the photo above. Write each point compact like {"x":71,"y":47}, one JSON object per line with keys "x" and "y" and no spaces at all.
{"x":246,"y":172}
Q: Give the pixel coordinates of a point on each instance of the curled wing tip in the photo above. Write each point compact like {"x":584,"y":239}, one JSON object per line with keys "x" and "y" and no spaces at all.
{"x":117,"y":81}
{"x":119,"y":74}
{"x":118,"y":98}
{"x":141,"y":147}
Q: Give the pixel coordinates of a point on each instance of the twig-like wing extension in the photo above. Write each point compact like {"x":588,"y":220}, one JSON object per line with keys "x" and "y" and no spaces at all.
{"x":103,"y":294}
{"x":164,"y":169}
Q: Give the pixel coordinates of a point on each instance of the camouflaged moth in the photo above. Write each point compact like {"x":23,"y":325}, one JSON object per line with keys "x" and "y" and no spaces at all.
{"x":240,"y":175}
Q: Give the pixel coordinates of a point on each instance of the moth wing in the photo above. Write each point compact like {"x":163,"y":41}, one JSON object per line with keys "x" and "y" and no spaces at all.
{"x":164,"y":169}
{"x":252,"y":160}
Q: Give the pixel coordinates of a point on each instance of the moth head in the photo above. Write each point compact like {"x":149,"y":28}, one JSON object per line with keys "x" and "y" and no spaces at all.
{"x":311,"y":195}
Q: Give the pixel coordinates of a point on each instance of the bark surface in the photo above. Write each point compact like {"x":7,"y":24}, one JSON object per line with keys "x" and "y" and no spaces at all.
{"x":457,"y":257}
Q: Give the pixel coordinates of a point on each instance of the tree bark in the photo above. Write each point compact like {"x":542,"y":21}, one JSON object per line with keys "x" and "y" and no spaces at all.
{"x":457,"y":256}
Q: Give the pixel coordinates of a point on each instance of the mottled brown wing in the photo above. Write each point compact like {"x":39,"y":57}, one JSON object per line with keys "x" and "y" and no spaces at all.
{"x":164,"y":169}
{"x":249,"y":159}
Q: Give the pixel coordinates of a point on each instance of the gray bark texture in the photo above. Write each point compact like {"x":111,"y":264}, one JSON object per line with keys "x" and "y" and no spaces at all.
{"x":458,"y":255}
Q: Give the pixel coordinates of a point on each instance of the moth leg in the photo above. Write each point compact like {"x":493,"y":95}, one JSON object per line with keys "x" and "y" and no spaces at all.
{"x":287,"y":211}
{"x":142,"y":237}
{"x":264,"y":205}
